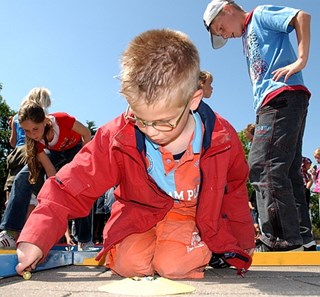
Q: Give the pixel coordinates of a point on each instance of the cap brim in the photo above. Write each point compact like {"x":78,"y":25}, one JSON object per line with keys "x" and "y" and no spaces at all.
{"x":217,"y":41}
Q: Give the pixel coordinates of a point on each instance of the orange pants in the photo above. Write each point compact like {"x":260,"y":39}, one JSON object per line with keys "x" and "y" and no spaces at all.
{"x":173,"y":249}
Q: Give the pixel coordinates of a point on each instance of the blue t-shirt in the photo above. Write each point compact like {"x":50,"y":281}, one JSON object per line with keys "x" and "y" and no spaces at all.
{"x":21,"y":137}
{"x":180,"y":182}
{"x":267,"y":47}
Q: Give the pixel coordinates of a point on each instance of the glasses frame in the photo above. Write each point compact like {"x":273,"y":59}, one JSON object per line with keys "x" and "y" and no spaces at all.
{"x":134,"y":119}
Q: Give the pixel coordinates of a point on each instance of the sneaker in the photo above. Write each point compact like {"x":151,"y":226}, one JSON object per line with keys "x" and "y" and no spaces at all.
{"x":310,"y":248}
{"x":7,"y":241}
{"x":216,"y":261}
{"x":87,"y":247}
{"x":262,"y":247}
{"x":293,"y":248}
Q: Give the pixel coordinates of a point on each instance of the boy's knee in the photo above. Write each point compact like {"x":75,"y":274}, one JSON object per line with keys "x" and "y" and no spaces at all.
{"x":130,"y":267}
{"x":169,"y":267}
{"x":124,"y":270}
{"x":181,"y":264}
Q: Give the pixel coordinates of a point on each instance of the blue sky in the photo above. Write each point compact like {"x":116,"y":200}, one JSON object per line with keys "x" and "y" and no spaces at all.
{"x":73,"y":47}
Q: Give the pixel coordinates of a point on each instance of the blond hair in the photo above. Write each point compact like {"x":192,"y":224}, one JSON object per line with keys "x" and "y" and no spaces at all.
{"x":203,"y":76}
{"x":41,"y":96}
{"x":159,"y":64}
{"x":317,"y":152}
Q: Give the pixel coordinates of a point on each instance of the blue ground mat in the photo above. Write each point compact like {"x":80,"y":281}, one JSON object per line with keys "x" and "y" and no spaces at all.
{"x":59,"y":255}
{"x":8,"y":262}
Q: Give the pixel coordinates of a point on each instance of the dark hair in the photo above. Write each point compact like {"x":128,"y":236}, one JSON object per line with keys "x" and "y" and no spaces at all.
{"x":306,"y":160}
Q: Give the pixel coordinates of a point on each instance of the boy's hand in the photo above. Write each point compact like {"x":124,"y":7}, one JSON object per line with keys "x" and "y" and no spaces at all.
{"x":28,"y":257}
{"x":288,"y":70}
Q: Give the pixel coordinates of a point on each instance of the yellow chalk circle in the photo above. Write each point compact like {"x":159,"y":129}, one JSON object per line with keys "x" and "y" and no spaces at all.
{"x":146,"y":286}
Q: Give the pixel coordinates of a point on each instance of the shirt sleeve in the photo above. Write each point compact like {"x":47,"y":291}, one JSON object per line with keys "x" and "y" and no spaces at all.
{"x":277,"y":18}
{"x":64,"y":120}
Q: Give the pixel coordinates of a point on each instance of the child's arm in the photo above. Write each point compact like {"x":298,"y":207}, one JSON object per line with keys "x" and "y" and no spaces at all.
{"x":13,"y":134}
{"x":83,"y":131}
{"x":68,"y":237}
{"x":313,"y":172}
{"x":47,"y":164}
{"x":301,"y":23}
{"x":309,"y":184}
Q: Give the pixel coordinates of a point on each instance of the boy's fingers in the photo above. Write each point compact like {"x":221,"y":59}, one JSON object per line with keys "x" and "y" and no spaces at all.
{"x":20,"y":268}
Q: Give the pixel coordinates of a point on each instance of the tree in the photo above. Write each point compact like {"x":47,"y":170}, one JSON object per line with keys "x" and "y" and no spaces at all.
{"x":315,"y":214}
{"x":5,"y":113}
{"x":92,"y":127}
{"x":245,"y":143}
{"x":246,"y":148}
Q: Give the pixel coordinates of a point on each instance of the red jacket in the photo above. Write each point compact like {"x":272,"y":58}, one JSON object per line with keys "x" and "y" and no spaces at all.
{"x":116,"y":156}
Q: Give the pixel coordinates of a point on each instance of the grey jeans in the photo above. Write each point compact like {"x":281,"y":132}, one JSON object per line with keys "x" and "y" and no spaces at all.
{"x":275,"y":161}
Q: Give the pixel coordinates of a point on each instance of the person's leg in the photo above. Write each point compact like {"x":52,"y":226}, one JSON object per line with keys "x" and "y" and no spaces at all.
{"x":32,"y":205}
{"x":83,"y":228}
{"x":271,"y":156}
{"x":133,"y":256}
{"x":109,"y":200}
{"x":299,"y":191}
{"x":180,"y":252}
{"x":99,"y":216}
{"x":308,"y":197}
{"x":99,"y":220}
{"x":15,"y":213}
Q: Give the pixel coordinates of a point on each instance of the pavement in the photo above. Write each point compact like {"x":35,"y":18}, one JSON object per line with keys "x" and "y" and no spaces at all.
{"x":78,"y":281}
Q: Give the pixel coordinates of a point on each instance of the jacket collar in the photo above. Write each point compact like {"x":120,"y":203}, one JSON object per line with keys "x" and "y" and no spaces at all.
{"x":208,"y":119}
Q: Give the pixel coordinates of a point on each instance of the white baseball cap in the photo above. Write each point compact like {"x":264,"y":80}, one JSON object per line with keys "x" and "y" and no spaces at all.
{"x":212,"y":10}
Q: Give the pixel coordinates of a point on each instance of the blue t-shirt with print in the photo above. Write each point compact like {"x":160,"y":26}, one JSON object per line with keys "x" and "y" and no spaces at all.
{"x":175,"y":182}
{"x":267,"y":47}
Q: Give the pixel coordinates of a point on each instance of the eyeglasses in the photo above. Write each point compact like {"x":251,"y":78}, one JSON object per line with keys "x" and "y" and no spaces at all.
{"x":162,"y":126}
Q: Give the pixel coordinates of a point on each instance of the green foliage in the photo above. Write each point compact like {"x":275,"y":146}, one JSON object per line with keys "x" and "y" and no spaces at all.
{"x":5,"y":113}
{"x":245,"y":143}
{"x":315,"y":214}
{"x":246,"y":148}
{"x":92,"y":127}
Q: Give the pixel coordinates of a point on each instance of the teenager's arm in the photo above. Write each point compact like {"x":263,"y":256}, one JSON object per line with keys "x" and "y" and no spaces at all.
{"x":47,"y":164}
{"x":301,"y":23}
{"x":83,"y":131}
{"x":309,"y":184}
{"x":13,"y":134}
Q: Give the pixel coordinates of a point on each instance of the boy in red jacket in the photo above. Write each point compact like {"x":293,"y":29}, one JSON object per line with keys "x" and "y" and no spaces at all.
{"x":180,"y":170}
